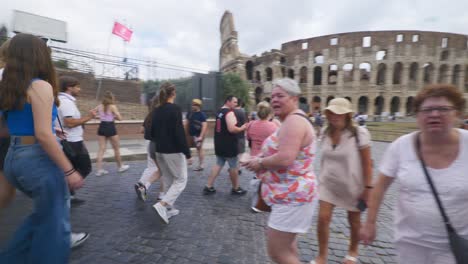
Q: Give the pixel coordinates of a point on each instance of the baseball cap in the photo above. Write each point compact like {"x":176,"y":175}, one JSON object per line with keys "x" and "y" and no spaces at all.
{"x":339,"y":106}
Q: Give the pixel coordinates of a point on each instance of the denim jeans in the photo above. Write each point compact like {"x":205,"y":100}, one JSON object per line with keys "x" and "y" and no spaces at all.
{"x":44,"y":236}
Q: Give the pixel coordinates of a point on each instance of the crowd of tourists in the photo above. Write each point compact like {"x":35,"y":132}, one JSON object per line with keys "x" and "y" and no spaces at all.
{"x":42,"y":132}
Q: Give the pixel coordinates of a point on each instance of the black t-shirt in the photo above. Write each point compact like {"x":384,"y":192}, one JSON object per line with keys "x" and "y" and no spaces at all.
{"x":241,"y":119}
{"x":225,"y":141}
{"x":196,"y":120}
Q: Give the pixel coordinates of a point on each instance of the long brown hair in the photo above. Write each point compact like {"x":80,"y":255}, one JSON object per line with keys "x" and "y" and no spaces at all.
{"x":149,"y":117}
{"x":349,"y":125}
{"x":166,"y":90}
{"x":108,"y":99}
{"x":28,"y":57}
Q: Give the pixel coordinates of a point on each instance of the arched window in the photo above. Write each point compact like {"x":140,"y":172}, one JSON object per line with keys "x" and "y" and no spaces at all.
{"x":249,"y":70}
{"x":332,"y":73}
{"x":395,"y":105}
{"x":317,"y":75}
{"x":397,"y":69}
{"x":291,"y":73}
{"x":303,"y":75}
{"x":269,"y":74}
{"x":428,"y":72}
{"x":318,"y":59}
{"x":258,"y":76}
{"x":381,"y":71}
{"x":443,"y":74}
{"x":409,"y":105}
{"x":379,"y":105}
{"x":348,"y":72}
{"x":413,"y":74}
{"x":329,"y":98}
{"x":456,"y":74}
{"x":363,"y":104}
{"x":364,"y":71}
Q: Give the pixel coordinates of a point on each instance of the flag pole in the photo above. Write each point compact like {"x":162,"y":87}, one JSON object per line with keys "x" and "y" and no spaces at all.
{"x":98,"y":92}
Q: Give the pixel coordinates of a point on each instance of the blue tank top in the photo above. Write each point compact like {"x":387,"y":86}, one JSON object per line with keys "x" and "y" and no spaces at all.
{"x":21,"y":123}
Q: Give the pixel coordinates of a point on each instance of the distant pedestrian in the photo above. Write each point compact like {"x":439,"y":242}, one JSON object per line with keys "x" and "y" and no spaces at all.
{"x":241,"y":117}
{"x":108,"y":112}
{"x":197,"y":130}
{"x":345,"y":176}
{"x":226,"y":146}
{"x":361,"y":119}
{"x":151,"y":173}
{"x":259,"y":130}
{"x":172,"y":152}
{"x":285,"y":166}
{"x":420,"y":230}
{"x":465,"y":124}
{"x":35,"y":163}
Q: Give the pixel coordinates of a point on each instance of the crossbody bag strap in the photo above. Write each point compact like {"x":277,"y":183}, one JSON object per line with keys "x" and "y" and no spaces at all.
{"x":431,"y":184}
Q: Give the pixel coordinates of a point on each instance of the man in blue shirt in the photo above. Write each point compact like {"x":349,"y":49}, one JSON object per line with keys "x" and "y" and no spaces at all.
{"x":197,"y":130}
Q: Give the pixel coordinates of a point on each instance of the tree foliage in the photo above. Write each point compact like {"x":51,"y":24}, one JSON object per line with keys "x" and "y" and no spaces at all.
{"x":233,"y":84}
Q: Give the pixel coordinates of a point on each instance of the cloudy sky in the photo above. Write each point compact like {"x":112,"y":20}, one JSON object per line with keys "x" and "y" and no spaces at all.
{"x":186,"y":33}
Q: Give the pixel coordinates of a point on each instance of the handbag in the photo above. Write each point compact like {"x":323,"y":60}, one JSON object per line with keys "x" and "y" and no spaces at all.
{"x":458,"y":245}
{"x":258,"y":204}
{"x":66,"y":146}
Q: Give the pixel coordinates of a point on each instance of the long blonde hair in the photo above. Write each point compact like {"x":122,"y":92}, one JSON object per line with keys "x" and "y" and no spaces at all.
{"x":108,"y":99}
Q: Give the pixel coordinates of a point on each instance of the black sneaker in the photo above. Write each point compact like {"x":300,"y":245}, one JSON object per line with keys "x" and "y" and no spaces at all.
{"x":208,"y":190}
{"x":140,"y":190}
{"x":76,"y":201}
{"x":238,"y":191}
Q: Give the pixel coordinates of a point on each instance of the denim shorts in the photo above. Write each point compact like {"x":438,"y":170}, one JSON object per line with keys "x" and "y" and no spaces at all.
{"x":232,"y":161}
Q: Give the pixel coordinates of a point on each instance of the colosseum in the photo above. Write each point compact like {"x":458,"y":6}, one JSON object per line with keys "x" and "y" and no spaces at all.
{"x":380,"y":72}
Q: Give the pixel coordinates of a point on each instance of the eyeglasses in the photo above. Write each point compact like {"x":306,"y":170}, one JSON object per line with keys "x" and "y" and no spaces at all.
{"x":443,"y":110}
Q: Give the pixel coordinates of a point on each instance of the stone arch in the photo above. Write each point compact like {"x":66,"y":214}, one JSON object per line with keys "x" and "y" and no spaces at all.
{"x":291,"y":73}
{"x":258,"y":76}
{"x":395,"y":105}
{"x":444,"y":55}
{"x":269,"y":74}
{"x":381,"y":71}
{"x":409,"y":105}
{"x":303,"y":74}
{"x":397,"y":69}
{"x":456,"y":74}
{"x":379,"y":105}
{"x":413,"y":74}
{"x":283,"y":60}
{"x":319,"y":59}
{"x":258,"y":94}
{"x":283,"y":71}
{"x":316,"y":101}
{"x":249,"y":70}
{"x":349,"y":99}
{"x":329,"y":98}
{"x":317,"y":75}
{"x":364,"y":71}
{"x":348,"y":72}
{"x":303,"y":105}
{"x":443,"y":74}
{"x":332,"y":73}
{"x":428,"y":72}
{"x":363,"y":104}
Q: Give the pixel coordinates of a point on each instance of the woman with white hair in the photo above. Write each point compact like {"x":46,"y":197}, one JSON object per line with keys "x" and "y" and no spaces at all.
{"x":285,"y":166}
{"x":345,"y":175}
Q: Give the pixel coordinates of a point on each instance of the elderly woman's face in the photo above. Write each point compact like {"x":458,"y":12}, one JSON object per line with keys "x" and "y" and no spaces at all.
{"x":281,"y":102}
{"x":436,"y":114}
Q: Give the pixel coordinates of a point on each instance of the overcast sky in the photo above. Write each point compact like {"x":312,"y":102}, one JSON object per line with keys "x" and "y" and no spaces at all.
{"x":186,"y":33}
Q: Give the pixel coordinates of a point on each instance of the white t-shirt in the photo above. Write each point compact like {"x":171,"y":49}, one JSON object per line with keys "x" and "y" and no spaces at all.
{"x":417,"y":217}
{"x":68,"y":108}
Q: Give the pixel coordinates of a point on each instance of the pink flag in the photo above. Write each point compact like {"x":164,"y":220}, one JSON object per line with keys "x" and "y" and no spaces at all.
{"x":122,"y":31}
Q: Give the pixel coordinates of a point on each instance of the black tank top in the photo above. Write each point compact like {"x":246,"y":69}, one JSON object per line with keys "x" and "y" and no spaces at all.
{"x":225,"y":141}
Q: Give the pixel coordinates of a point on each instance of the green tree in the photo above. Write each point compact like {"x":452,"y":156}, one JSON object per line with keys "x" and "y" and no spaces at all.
{"x":233,"y":84}
{"x":63,"y":64}
{"x":3,"y":34}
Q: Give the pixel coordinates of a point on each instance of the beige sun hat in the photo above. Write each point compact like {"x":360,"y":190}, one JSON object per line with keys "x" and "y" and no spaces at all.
{"x":339,"y":106}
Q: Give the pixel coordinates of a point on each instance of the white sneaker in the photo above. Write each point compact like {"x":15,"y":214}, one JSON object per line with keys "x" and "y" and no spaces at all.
{"x":162,"y":212}
{"x":124,"y":168}
{"x":101,"y":172}
{"x":172,"y":212}
{"x":76,"y":239}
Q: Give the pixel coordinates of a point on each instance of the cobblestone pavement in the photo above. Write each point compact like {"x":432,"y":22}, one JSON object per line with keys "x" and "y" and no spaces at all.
{"x":209,"y":229}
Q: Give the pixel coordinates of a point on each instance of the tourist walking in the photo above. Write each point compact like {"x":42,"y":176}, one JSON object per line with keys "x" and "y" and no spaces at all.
{"x":241,"y":117}
{"x":345,"y":175}
{"x":172,"y":151}
{"x":35,"y":163}
{"x":151,"y":173}
{"x":197,"y":130}
{"x":226,"y":146}
{"x":285,"y":166}
{"x":442,"y":149}
{"x":72,"y":124}
{"x":108,"y":112}
{"x":261,"y":129}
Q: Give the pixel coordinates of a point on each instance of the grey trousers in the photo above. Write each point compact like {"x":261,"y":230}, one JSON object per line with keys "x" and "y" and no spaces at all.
{"x":173,"y":169}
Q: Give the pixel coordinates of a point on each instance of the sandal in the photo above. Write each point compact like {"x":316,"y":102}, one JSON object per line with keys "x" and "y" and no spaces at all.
{"x":350,"y":258}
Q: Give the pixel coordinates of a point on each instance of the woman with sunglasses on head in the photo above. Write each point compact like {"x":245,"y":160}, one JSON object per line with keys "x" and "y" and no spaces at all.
{"x":35,"y":163}
{"x":420,"y":232}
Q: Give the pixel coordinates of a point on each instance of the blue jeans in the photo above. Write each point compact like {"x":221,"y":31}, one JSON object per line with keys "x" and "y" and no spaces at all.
{"x":44,"y":236}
